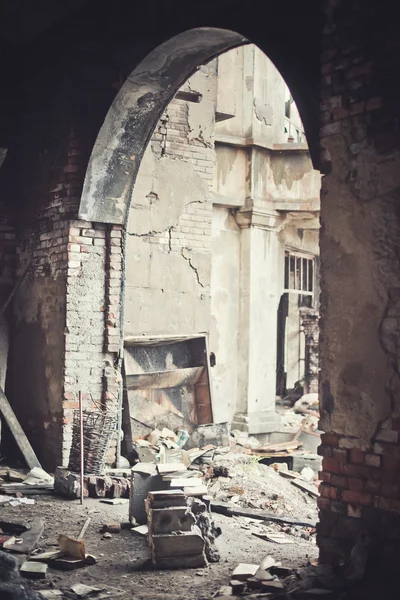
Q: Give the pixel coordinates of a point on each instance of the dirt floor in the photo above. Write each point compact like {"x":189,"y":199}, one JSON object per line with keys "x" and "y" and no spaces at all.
{"x":123,"y":560}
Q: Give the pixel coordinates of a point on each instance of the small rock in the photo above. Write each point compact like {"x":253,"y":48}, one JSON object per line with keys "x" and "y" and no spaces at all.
{"x":224,"y":590}
{"x":307,"y":474}
{"x":113,"y":527}
{"x":106,"y":536}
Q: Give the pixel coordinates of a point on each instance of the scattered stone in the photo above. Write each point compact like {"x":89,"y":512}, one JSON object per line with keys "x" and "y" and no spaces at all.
{"x":112,"y":527}
{"x":106,"y":536}
{"x":307,"y":474}
{"x":83,"y":591}
{"x":224,"y":591}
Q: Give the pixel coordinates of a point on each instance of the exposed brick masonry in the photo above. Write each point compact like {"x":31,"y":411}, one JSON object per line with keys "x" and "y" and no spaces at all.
{"x":172,"y":139}
{"x":310,"y":324}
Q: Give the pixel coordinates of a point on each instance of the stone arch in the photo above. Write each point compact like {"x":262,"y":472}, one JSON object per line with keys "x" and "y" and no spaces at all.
{"x":130,"y":121}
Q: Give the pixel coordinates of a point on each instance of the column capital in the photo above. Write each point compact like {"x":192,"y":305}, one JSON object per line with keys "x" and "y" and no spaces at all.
{"x":269,"y":219}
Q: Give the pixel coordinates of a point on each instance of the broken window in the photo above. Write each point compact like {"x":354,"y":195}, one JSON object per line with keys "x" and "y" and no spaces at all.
{"x":299,"y":276}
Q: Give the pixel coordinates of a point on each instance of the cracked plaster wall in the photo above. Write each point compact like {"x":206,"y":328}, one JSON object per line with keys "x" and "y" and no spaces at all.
{"x":169,"y":231}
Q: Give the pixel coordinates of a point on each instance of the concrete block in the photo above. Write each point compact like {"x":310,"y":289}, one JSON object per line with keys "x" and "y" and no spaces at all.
{"x":166,"y":520}
{"x":173,"y":545}
{"x":141,"y":485}
{"x":181,"y":562}
{"x":307,"y":460}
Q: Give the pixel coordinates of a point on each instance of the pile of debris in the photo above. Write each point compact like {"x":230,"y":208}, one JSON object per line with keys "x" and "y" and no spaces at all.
{"x":165,"y":446}
{"x":243,"y":482}
{"x":181,"y":531}
{"x":169,"y":499}
{"x":18,"y":483}
{"x":23,"y":541}
{"x":270,"y":579}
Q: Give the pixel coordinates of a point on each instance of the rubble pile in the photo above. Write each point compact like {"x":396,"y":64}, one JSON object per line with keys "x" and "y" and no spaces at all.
{"x":251,"y":484}
{"x":271,"y":579}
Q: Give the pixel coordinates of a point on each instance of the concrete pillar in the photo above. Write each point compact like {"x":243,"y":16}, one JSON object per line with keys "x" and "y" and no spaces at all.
{"x":261,"y":273}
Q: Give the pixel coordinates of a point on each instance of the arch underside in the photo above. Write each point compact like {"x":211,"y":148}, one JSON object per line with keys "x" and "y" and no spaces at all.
{"x":132,"y":117}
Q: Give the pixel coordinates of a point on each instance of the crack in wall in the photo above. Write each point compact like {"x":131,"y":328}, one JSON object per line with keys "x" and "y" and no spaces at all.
{"x":189,"y":260}
{"x":167,"y":228}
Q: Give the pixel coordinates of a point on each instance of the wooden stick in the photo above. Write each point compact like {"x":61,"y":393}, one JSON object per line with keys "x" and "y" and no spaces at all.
{"x":81,"y":442}
{"x":15,"y":288}
{"x":18,"y":433}
{"x":83,"y":530}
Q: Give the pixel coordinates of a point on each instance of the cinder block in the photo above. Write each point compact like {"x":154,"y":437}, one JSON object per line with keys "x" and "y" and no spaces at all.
{"x":166,"y":520}
{"x":172,"y":545}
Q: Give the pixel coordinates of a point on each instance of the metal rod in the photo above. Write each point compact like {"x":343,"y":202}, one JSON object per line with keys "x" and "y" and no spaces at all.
{"x":81,"y":442}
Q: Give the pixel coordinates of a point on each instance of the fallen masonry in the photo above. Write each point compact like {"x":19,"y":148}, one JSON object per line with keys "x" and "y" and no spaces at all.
{"x":181,"y":532}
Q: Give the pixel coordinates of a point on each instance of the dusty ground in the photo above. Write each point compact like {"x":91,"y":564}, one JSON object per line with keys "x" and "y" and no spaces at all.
{"x":123,"y":560}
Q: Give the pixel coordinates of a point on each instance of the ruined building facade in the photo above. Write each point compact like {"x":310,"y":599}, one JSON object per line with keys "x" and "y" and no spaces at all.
{"x":223,"y":236}
{"x":81,"y":98}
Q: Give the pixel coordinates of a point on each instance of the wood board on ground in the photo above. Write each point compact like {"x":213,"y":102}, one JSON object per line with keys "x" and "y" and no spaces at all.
{"x":224,"y":508}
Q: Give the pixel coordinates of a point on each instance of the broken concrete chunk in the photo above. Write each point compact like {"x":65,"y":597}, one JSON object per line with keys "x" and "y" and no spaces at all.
{"x":175,"y":467}
{"x":83,"y":591}
{"x":244,"y":570}
{"x":180,"y":562}
{"x":237,"y":586}
{"x":112,"y":527}
{"x":224,"y":591}
{"x":181,"y":545}
{"x":51,"y":594}
{"x":170,"y":519}
{"x":33,"y":570}
{"x":144,"y":468}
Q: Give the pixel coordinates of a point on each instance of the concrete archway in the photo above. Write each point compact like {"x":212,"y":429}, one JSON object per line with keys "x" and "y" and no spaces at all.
{"x":130,"y":121}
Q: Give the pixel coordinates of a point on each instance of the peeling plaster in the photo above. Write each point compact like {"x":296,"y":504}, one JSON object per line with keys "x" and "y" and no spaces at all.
{"x":264,"y":112}
{"x":122,"y":140}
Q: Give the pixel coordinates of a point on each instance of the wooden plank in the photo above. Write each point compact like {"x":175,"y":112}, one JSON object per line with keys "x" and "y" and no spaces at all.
{"x":29,"y":538}
{"x":277,"y":537}
{"x":226,"y":509}
{"x":175,"y":467}
{"x":272,"y":448}
{"x":163,"y":379}
{"x":18,"y":433}
{"x":310,"y":489}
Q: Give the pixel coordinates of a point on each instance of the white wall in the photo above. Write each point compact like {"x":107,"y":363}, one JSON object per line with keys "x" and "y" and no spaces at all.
{"x":225,"y":296}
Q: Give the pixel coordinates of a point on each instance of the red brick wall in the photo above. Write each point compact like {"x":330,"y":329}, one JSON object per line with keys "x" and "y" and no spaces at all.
{"x":360,"y":333}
